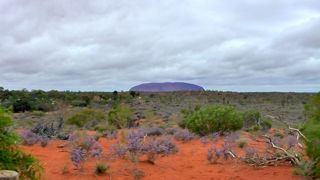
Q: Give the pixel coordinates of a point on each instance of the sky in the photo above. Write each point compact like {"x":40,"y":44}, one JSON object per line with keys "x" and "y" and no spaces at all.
{"x":106,"y":45}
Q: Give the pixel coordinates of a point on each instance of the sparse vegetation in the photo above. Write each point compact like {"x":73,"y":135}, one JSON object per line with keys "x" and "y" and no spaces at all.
{"x":101,"y":168}
{"x":87,"y":117}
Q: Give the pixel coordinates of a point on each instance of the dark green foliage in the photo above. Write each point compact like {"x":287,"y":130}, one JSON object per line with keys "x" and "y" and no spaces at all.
{"x":87,"y":116}
{"x":213,"y":119}
{"x":101,"y":168}
{"x":11,"y":158}
{"x":312,"y":132}
{"x":120,"y":116}
{"x":21,"y":105}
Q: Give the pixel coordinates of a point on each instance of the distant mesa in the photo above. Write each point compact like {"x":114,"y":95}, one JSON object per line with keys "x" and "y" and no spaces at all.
{"x":166,"y":87}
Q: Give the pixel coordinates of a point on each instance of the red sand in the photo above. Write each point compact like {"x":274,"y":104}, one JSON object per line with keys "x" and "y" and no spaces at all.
{"x":189,"y":163}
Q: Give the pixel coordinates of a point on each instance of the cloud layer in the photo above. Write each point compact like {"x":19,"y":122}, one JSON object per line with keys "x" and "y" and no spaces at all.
{"x":115,"y":44}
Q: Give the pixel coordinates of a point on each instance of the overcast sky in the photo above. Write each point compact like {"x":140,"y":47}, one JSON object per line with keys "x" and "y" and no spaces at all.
{"x":106,"y":45}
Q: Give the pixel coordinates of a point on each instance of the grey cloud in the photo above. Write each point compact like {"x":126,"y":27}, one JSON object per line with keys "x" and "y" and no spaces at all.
{"x":105,"y":45}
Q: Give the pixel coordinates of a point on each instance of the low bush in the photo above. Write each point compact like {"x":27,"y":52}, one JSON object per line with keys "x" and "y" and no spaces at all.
{"x":139,"y":144}
{"x":251,"y":118}
{"x":184,"y":135}
{"x":120,"y":116}
{"x":241,"y":143}
{"x":216,"y":118}
{"x":87,"y":117}
{"x":83,"y":147}
{"x":101,"y":168}
{"x":29,"y":138}
{"x":311,"y":130}
{"x":11,"y":157}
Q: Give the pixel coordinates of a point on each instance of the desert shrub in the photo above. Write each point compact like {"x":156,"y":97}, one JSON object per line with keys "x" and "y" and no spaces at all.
{"x":311,"y":130}
{"x":266,"y":124}
{"x":213,"y":119}
{"x":78,"y":155}
{"x":44,"y":141}
{"x":120,"y":116}
{"x":138,"y":174}
{"x":251,"y":118}
{"x":118,"y":150}
{"x":11,"y":157}
{"x":241,"y":143}
{"x":171,"y":131}
{"x":213,"y":154}
{"x":65,"y":169}
{"x":254,"y":128}
{"x":152,"y":131}
{"x":87,"y":117}
{"x":21,"y":105}
{"x":29,"y":138}
{"x":163,"y":146}
{"x":79,"y":103}
{"x":83,"y":147}
{"x":139,"y":144}
{"x":101,"y":168}
{"x":184,"y":135}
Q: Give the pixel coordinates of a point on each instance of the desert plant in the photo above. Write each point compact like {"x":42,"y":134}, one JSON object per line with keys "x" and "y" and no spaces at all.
{"x":65,"y":169}
{"x":184,"y":135}
{"x":101,"y":168}
{"x":241,"y":143}
{"x":120,"y":116}
{"x":138,"y":174}
{"x":78,"y":155}
{"x":29,"y":138}
{"x":44,"y":141}
{"x":266,"y":124}
{"x":213,"y":119}
{"x":83,"y":147}
{"x":11,"y":157}
{"x":87,"y":117}
{"x":251,"y":118}
{"x":311,"y":131}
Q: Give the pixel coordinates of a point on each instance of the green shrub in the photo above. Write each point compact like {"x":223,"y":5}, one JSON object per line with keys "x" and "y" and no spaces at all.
{"x":254,"y":128}
{"x":251,"y":118}
{"x":87,"y":116}
{"x":213,"y":119}
{"x":311,"y":130}
{"x":120,"y":116}
{"x":11,"y":157}
{"x":101,"y":168}
{"x":266,"y":124}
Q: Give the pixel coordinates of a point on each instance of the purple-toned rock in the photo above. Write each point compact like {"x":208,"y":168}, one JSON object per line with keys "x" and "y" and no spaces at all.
{"x":166,"y":87}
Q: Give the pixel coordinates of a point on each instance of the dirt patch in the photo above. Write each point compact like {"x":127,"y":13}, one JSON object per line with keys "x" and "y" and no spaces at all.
{"x":189,"y":163}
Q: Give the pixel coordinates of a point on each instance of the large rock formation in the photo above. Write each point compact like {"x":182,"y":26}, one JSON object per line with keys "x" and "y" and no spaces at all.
{"x":166,"y":87}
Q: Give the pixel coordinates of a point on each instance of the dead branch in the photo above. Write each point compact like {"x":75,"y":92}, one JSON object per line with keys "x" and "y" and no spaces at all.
{"x":293,"y":158}
{"x":299,"y":133}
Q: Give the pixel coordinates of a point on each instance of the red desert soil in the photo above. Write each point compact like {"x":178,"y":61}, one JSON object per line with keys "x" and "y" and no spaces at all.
{"x":189,"y":163}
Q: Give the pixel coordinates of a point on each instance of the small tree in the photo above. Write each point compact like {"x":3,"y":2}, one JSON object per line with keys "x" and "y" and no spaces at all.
{"x":213,"y":119}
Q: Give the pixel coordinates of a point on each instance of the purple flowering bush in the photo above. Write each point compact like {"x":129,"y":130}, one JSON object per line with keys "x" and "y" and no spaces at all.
{"x":138,"y":143}
{"x":184,"y":135}
{"x":213,"y":154}
{"x":78,"y":155}
{"x":83,"y":147}
{"x":29,"y":138}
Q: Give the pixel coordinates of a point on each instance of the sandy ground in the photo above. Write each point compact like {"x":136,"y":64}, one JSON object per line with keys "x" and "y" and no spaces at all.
{"x":189,"y":163}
